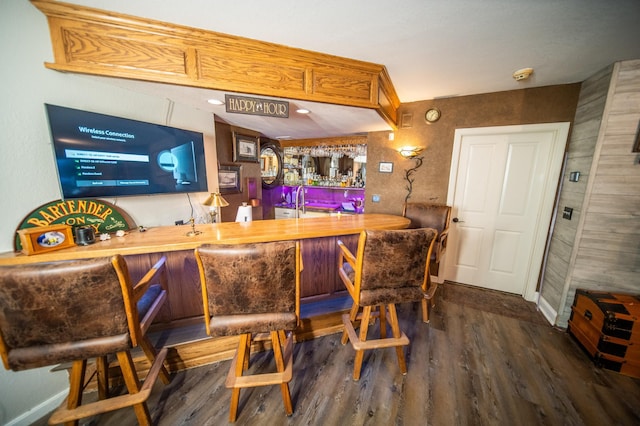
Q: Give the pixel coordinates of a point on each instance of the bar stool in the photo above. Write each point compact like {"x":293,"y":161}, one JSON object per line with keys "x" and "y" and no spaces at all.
{"x":72,"y":311}
{"x":252,"y":290}
{"x":390,"y":267}
{"x":438,"y":217}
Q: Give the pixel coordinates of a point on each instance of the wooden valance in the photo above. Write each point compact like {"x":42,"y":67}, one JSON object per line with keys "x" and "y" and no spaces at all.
{"x":98,"y":42}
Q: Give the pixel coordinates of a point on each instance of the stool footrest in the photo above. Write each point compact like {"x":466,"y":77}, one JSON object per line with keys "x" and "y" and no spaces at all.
{"x":264,"y":379}
{"x":64,"y":414}
{"x":359,"y":345}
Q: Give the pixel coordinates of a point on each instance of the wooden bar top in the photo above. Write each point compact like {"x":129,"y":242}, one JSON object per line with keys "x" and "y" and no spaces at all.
{"x":174,"y":238}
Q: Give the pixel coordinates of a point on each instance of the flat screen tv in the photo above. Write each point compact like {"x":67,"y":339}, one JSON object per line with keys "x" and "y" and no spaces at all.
{"x":100,"y":155}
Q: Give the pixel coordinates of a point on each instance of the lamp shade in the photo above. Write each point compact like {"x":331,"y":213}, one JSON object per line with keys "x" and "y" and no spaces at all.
{"x":215,"y":200}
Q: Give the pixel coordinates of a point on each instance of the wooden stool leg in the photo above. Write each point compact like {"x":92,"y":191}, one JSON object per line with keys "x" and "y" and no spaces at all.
{"x":233,"y":409}
{"x":133,"y":386}
{"x":364,"y":326}
{"x":76,"y":384}
{"x":102,"y":371}
{"x":353,"y":314}
{"x":242,"y":363}
{"x":284,"y":387}
{"x":383,"y":321}
{"x":151,"y":353}
{"x":429,"y":299}
{"x":395,"y":327}
{"x":247,"y":352}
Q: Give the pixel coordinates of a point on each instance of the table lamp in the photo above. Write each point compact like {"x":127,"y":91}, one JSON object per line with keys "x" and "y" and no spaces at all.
{"x":215,"y":201}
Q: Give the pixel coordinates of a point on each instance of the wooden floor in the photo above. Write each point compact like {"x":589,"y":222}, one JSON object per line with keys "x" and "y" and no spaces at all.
{"x":476,"y":363}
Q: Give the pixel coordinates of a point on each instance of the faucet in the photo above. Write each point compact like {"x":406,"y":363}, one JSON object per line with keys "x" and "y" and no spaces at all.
{"x":298,"y":191}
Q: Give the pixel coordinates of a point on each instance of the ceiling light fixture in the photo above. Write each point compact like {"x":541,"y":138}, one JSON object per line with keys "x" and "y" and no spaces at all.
{"x":302,"y":111}
{"x":215,"y":102}
{"x":522,"y":74}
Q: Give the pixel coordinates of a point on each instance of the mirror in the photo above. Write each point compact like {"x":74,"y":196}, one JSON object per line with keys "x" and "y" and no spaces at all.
{"x":270,"y":165}
{"x":334,"y":166}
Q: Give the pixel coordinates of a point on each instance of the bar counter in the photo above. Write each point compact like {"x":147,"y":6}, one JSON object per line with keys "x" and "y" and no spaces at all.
{"x":180,"y":325}
{"x":174,"y":238}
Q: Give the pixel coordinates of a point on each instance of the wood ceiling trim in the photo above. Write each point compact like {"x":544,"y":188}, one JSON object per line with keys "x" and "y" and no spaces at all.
{"x":98,"y":42}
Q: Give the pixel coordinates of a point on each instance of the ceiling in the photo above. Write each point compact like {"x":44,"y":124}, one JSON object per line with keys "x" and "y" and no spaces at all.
{"x":431,"y":48}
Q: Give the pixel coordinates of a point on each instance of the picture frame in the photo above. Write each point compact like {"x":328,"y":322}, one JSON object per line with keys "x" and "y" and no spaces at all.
{"x":43,"y":239}
{"x":230,"y":178}
{"x":246,"y":148}
{"x":385,"y":167}
{"x":406,"y":120}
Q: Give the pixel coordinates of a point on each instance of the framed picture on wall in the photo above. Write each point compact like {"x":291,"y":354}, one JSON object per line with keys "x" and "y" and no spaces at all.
{"x":245,"y":148}
{"x":230,"y":179}
{"x":385,"y":167}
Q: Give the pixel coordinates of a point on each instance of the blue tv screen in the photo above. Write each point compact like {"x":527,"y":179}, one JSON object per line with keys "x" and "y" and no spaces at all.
{"x":100,"y":155}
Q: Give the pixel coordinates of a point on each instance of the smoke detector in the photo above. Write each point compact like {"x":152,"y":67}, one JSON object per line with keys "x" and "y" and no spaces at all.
{"x":522,"y":74}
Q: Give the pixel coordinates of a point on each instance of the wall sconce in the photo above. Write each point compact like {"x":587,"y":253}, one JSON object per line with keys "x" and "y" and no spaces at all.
{"x":411,"y":152}
{"x":215,"y":201}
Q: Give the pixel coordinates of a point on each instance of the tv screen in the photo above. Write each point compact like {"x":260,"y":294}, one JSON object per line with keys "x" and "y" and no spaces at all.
{"x":100,"y":155}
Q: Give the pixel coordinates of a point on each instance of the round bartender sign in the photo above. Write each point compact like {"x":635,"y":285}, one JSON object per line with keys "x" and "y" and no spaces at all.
{"x":102,"y":216}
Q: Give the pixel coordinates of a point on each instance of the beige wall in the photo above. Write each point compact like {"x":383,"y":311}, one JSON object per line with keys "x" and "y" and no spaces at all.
{"x":527,"y":106}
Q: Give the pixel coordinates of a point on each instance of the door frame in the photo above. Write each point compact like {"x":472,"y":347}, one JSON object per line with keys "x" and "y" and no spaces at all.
{"x":546,"y":208}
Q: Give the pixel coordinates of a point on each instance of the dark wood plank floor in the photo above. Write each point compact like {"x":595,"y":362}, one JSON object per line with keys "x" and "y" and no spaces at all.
{"x":486,"y":358}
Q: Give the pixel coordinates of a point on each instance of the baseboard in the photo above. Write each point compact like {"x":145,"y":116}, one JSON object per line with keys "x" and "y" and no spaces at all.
{"x":547,"y":310}
{"x":39,"y":411}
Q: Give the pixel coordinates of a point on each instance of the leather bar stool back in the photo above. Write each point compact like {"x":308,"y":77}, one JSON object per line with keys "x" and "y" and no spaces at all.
{"x":253,"y":290}
{"x":438,"y":217}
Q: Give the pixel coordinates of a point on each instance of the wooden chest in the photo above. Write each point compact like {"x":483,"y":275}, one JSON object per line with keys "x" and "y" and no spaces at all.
{"x":607,"y":326}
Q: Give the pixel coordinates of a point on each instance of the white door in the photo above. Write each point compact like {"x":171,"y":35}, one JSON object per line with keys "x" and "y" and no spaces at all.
{"x":502,"y":188}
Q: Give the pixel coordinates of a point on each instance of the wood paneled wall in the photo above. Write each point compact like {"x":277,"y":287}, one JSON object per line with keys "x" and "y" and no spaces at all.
{"x":591,"y":103}
{"x":224,"y":150}
{"x":598,"y":248}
